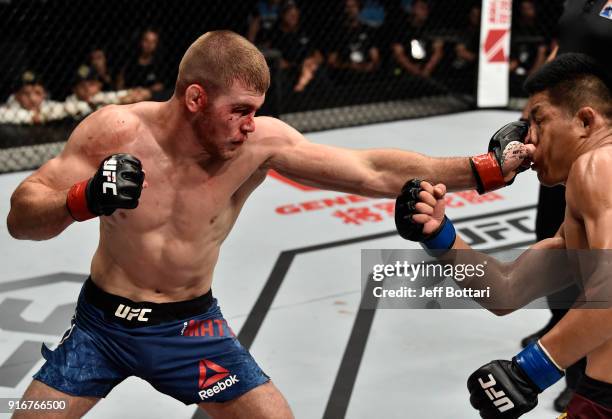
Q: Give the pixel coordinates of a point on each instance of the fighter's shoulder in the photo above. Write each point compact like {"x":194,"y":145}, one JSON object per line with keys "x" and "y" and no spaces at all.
{"x":112,"y":127}
{"x":274,"y":132}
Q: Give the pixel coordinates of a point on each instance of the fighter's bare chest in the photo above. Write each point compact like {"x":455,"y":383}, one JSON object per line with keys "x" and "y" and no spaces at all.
{"x":187,"y":201}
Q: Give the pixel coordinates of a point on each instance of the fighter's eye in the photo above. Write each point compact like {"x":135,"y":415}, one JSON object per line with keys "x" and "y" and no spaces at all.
{"x":242,"y":111}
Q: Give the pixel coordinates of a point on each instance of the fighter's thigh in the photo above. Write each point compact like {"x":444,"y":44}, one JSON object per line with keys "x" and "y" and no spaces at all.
{"x":75,"y":406}
{"x":262,"y":402}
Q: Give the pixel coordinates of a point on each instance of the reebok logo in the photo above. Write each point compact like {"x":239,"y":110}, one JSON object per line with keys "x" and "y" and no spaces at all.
{"x":110,"y":171}
{"x":499,"y":398}
{"x":128,"y":313}
{"x":211,"y":373}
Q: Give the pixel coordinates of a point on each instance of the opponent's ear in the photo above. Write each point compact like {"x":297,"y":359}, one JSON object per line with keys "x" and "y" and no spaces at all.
{"x":195,"y":98}
{"x":586,"y":117}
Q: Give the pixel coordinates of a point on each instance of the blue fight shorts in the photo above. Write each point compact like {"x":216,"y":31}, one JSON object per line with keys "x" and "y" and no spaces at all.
{"x":184,"y":349}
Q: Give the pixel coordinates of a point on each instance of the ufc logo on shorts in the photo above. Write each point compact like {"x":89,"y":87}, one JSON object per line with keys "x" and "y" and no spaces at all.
{"x":128,"y":313}
{"x":110,"y":171}
{"x":499,"y":398}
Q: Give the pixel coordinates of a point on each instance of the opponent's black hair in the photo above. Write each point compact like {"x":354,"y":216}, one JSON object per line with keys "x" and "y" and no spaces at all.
{"x":572,"y":81}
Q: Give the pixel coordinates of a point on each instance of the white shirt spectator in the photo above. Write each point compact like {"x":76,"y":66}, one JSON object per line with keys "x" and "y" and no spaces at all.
{"x":78,"y":108}
{"x":13,"y":113}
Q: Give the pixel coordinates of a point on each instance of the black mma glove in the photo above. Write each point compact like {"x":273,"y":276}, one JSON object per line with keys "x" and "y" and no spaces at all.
{"x":488,"y":168}
{"x":116,"y":184}
{"x":405,"y":207}
{"x":508,"y":389}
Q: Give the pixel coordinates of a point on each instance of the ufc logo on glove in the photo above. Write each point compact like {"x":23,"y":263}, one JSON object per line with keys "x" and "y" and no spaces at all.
{"x":499,"y":398}
{"x":110,"y":172}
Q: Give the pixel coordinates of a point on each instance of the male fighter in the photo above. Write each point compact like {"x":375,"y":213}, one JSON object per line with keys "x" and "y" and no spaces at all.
{"x":570,"y":142}
{"x":147,"y":308}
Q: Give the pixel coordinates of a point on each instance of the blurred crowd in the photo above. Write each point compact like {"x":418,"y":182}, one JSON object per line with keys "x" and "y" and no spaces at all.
{"x":93,"y":85}
{"x":376,"y":50}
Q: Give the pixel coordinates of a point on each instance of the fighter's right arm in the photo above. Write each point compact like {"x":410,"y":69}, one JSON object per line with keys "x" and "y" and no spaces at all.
{"x":537,"y":272}
{"x":38,"y":205}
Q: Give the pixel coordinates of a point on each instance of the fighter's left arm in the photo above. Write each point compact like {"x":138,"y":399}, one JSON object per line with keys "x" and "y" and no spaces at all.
{"x":373,"y":172}
{"x":589,"y":201}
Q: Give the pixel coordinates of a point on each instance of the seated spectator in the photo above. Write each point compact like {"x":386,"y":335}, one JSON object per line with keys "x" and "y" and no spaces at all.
{"x":355,"y":54}
{"x":528,"y":48}
{"x":300,"y":60}
{"x":97,"y":60}
{"x":262,"y":21}
{"x":416,"y":50}
{"x":88,"y":95}
{"x":145,"y":69}
{"x":29,"y":104}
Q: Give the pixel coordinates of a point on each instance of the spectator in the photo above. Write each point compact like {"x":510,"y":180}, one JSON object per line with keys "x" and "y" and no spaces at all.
{"x":262,"y":21}
{"x":300,"y":60}
{"x":464,"y":66}
{"x":97,"y":60}
{"x":355,"y":53}
{"x":29,"y":104}
{"x":528,"y":47}
{"x":88,"y":95}
{"x":415,"y":50}
{"x":144,"y":70}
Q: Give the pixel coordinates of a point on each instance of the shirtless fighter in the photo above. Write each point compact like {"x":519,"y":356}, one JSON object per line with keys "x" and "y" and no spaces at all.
{"x":570,"y":139}
{"x":147,"y":308}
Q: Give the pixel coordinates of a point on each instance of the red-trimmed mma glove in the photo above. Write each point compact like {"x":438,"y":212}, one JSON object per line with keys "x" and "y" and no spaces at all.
{"x":489,"y":169}
{"x":436,"y":243}
{"x":117,"y":184}
{"x":508,"y":389}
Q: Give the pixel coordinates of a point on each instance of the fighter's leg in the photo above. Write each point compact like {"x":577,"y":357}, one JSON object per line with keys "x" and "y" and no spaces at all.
{"x":262,"y":402}
{"x":75,"y":407}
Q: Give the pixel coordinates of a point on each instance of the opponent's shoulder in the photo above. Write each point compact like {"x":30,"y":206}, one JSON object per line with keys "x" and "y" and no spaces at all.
{"x":593,"y":166}
{"x":105,"y":131}
{"x":588,"y":182}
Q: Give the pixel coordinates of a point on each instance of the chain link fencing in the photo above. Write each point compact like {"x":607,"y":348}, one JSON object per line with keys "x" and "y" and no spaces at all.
{"x":334,"y":63}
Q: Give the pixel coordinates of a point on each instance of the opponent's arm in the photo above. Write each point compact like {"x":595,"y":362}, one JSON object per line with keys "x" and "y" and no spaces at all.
{"x":581,"y":331}
{"x":502,"y":388}
{"x":380,"y":172}
{"x":537,"y":272}
{"x":39,"y":208}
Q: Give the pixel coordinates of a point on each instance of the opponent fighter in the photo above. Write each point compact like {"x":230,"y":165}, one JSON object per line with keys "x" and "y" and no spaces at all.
{"x":147,"y":308}
{"x":570,"y":139}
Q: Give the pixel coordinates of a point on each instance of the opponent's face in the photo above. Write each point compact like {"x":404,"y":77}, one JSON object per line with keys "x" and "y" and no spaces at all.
{"x":553,"y":132}
{"x":227,"y":120}
{"x":31,"y":96}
